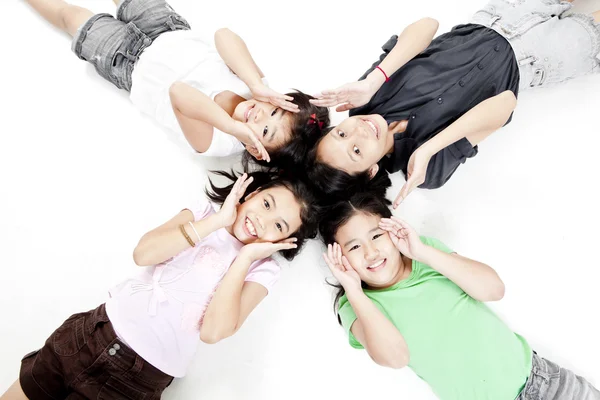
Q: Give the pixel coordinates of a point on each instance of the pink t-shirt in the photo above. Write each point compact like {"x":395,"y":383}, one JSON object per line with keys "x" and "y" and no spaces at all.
{"x":158,"y":313}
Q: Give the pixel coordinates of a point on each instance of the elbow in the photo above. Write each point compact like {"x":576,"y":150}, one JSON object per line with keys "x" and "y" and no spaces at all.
{"x":209,"y":337}
{"x":140,"y":257}
{"x":143,"y":255}
{"x":509,"y":100}
{"x":393,"y":362}
{"x":174,"y":92}
{"x":432,"y":23}
{"x":221,"y":32}
{"x":497,"y":293}
{"x":213,"y":336}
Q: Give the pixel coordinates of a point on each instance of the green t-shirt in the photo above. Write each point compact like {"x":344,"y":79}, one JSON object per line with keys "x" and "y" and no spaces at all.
{"x":456,"y":343}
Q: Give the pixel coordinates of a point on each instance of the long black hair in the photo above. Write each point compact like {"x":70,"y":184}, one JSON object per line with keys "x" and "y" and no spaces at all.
{"x":307,"y":128}
{"x":340,"y":213}
{"x":335,"y":184}
{"x":310,"y":210}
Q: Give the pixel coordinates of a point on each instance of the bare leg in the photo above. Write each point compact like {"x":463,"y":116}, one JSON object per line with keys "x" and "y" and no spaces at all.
{"x":64,"y":16}
{"x":14,"y":392}
{"x":596,"y":16}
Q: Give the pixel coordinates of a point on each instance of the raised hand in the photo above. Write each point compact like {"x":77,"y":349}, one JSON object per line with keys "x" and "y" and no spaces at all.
{"x":404,"y":237}
{"x":259,"y":250}
{"x":247,"y":136}
{"x":264,"y":93}
{"x":341,"y":268}
{"x":228,"y":211}
{"x":348,"y":96}
{"x":416,"y":173}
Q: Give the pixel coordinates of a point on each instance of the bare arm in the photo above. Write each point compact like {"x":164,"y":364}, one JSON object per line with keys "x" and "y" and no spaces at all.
{"x":167,"y":241}
{"x":478,"y":123}
{"x":235,"y":299}
{"x":476,"y":279}
{"x":235,"y":53}
{"x":475,"y":125}
{"x":382,"y":340}
{"x":197,"y":114}
{"x":413,"y":40}
{"x":231,"y":304}
{"x":384,"y":343}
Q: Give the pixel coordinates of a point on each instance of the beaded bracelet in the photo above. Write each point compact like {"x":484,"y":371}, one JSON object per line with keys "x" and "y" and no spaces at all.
{"x":187,"y":237}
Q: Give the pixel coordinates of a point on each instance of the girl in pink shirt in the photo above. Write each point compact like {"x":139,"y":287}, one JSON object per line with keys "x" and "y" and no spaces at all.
{"x":207,"y":271}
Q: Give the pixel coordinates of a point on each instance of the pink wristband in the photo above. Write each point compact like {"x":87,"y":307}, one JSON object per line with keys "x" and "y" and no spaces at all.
{"x":384,"y":74}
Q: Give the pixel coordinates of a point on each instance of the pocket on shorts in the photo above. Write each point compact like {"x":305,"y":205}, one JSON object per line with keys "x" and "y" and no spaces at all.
{"x":115,"y":389}
{"x":121,"y":64}
{"x":70,"y":337}
{"x":30,"y":355}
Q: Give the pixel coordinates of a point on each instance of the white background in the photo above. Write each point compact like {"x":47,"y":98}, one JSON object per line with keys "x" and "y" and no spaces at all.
{"x":83,"y":175}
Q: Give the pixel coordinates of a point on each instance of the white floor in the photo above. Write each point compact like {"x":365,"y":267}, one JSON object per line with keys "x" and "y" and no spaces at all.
{"x":83,"y":176}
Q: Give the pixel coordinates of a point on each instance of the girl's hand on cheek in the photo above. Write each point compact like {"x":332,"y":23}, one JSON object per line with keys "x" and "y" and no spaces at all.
{"x":341,"y":268}
{"x":259,"y":250}
{"x":264,"y":93}
{"x":228,"y":212}
{"x":404,"y":237}
{"x":348,"y":96}
{"x":244,"y":134}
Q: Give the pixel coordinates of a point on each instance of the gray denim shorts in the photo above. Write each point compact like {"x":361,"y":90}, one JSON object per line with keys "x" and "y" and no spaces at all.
{"x":550,"y":46}
{"x":113,"y":45}
{"x":548,"y":381}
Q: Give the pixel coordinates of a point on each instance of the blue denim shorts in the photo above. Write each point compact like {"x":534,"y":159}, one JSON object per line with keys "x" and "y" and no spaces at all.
{"x":113,"y":45}
{"x":550,"y":45}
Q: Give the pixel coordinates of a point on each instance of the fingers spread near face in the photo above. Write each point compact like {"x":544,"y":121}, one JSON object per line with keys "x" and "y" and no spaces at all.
{"x":240,"y":186}
{"x":396,"y":226}
{"x":411,"y":184}
{"x":329,"y":98}
{"x":344,"y":107}
{"x":260,"y":149}
{"x":333,"y":257}
{"x":398,"y":126}
{"x":337,"y":254}
{"x":346,"y":264}
{"x":285,"y":102}
{"x":286,"y":244}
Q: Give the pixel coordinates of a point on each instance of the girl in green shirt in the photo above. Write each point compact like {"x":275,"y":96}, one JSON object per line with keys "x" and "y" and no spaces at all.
{"x":411,"y":301}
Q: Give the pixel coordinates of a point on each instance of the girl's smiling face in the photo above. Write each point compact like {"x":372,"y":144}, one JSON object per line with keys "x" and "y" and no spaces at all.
{"x":356,"y":144}
{"x":370,"y":250}
{"x":272,"y":124}
{"x":268,"y":215}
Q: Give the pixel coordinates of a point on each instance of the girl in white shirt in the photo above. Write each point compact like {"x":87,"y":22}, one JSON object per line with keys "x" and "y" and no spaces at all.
{"x":213,"y":94}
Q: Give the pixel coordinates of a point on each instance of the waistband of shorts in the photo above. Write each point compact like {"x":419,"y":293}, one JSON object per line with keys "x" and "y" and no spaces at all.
{"x":118,"y":353}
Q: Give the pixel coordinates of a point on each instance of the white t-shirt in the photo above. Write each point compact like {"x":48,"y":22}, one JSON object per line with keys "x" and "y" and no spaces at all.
{"x":188,"y":56}
{"x":159,"y":312}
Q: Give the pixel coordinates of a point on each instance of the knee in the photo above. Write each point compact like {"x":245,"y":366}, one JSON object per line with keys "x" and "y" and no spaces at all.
{"x":72,"y":17}
{"x":64,"y":16}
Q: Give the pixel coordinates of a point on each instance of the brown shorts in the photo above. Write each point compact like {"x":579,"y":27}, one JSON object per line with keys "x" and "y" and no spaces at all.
{"x":84,"y":359}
